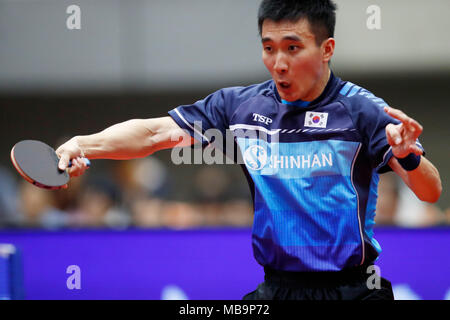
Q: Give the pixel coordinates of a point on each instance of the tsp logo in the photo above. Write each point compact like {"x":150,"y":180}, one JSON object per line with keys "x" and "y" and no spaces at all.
{"x":255,"y":157}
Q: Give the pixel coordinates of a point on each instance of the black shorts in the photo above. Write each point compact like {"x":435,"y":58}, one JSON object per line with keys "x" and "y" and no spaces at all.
{"x":351,"y":284}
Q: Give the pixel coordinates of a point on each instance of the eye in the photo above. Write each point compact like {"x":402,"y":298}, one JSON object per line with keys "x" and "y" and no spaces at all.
{"x":268,"y":49}
{"x":293,"y":47}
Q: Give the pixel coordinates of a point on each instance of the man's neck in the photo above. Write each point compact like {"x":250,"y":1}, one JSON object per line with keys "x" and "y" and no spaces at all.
{"x":321,"y":84}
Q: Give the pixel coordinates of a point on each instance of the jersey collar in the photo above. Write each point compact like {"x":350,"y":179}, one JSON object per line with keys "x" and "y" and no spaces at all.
{"x":332,"y":82}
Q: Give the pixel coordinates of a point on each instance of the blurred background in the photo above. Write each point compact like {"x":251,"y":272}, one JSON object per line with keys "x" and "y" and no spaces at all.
{"x":139,"y":59}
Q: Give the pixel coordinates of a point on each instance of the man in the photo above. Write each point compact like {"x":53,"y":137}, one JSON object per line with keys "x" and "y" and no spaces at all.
{"x":313,"y":146}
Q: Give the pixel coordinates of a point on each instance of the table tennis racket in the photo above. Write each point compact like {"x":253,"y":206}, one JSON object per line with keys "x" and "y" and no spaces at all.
{"x":37,"y":163}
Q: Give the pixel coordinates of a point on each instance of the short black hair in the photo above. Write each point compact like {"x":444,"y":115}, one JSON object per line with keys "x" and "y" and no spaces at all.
{"x":321,"y":15}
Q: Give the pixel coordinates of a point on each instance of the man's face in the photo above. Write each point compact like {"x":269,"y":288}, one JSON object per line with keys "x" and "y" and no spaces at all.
{"x":293,"y":58}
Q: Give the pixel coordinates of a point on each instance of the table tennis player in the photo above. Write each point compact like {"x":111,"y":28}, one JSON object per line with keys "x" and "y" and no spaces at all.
{"x":313,"y":147}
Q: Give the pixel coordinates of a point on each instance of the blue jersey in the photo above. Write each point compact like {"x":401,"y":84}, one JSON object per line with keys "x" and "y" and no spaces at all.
{"x":312,"y":168}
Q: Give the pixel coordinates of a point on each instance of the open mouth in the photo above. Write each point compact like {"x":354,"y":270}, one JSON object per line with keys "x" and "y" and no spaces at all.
{"x":284,"y":85}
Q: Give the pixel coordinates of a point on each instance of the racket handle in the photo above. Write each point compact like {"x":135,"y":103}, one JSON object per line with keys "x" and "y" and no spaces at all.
{"x":86,"y":160}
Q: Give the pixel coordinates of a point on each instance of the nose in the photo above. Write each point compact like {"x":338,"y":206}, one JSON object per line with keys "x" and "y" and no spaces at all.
{"x":281,"y":65}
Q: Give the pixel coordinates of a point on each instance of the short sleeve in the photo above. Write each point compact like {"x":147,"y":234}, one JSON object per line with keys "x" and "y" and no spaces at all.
{"x":371,"y":121}
{"x":203,"y":115}
{"x":213,"y":112}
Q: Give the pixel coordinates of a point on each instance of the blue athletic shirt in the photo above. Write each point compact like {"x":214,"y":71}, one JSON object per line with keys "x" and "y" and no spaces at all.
{"x":312,"y":168}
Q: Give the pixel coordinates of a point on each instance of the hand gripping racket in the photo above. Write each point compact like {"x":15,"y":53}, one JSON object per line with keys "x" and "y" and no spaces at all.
{"x":37,"y":163}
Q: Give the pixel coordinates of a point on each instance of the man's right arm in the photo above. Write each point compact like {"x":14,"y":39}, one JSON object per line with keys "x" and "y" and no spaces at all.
{"x":131,"y":139}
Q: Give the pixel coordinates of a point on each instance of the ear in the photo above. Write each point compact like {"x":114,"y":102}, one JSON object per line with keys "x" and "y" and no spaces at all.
{"x":328,"y":49}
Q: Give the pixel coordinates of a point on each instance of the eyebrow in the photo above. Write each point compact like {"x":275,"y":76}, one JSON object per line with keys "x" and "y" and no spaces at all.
{"x":291,"y":38}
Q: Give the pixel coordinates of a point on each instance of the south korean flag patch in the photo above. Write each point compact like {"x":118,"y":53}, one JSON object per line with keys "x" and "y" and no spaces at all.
{"x":316,"y":119}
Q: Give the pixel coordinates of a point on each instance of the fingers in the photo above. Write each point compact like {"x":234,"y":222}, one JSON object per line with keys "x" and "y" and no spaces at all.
{"x":416,"y":150}
{"x":401,"y":146}
{"x":63,"y":161}
{"x":412,"y":124}
{"x":396,"y":113}
{"x":416,"y":126}
{"x":70,"y":151}
{"x":78,"y":167}
{"x":413,"y":148}
{"x":393,"y":135}
{"x":65,"y":153}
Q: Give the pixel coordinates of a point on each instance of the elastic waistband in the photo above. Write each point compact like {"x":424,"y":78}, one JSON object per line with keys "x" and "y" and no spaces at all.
{"x":317,"y":279}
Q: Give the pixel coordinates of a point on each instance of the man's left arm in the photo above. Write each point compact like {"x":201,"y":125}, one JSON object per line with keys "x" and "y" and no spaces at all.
{"x":419,"y":174}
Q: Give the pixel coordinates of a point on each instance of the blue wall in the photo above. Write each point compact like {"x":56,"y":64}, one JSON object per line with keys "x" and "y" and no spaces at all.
{"x":200,"y":264}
